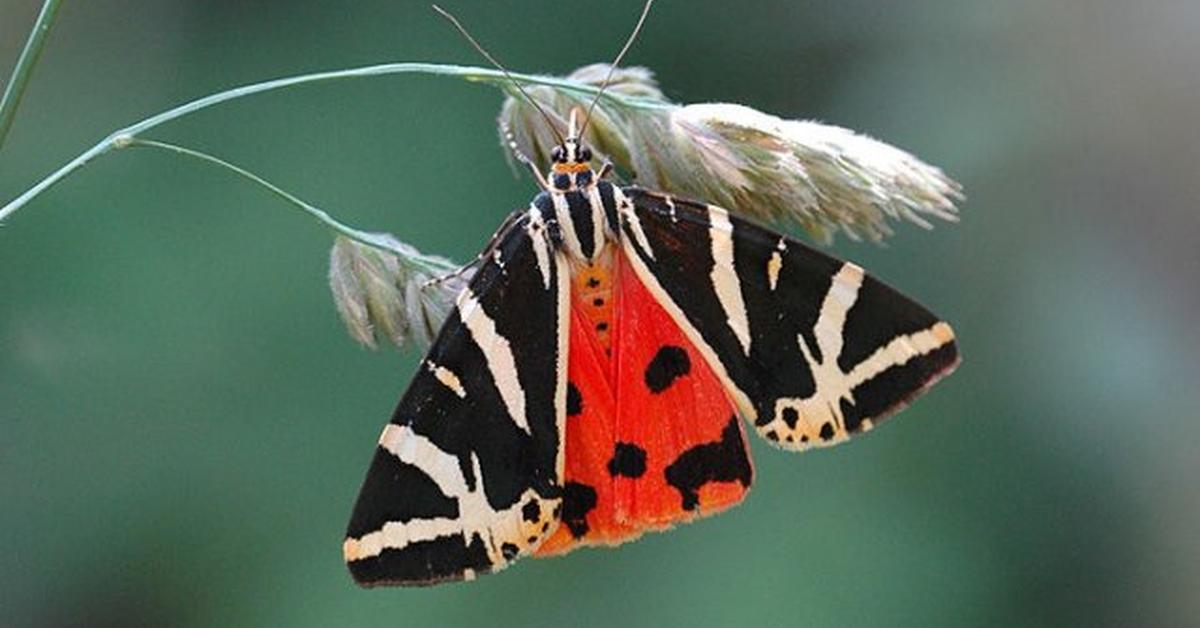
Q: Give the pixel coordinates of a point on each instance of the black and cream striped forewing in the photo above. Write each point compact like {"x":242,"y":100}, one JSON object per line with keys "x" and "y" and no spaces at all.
{"x":810,"y":348}
{"x":467,"y":476}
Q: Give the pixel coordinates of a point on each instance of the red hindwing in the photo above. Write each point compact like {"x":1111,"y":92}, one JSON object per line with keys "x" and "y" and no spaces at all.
{"x":651,"y":437}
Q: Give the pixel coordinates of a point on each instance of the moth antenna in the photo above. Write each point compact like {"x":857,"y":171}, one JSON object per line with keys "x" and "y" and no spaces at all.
{"x":613,"y":67}
{"x":486,"y":55}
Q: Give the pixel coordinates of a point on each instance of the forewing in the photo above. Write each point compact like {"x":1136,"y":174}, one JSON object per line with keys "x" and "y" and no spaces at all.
{"x":810,"y":348}
{"x":467,"y":475}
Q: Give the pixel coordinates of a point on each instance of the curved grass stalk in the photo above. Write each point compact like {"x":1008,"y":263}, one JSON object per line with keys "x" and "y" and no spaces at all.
{"x":404,"y":255}
{"x":24,"y":68}
{"x":124,"y":137}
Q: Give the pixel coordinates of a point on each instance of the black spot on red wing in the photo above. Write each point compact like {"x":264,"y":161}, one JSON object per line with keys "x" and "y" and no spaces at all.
{"x":601,"y":326}
{"x":592,"y":282}
{"x":574,"y":400}
{"x":531,"y":511}
{"x":827,"y":431}
{"x":723,"y":461}
{"x":578,"y":501}
{"x":509,"y":551}
{"x":668,"y":364}
{"x":628,"y":461}
{"x":598,"y":302}
{"x":791,"y":417}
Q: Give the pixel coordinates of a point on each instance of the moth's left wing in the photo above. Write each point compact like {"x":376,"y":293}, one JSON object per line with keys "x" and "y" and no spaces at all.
{"x":467,"y":476}
{"x":810,"y":348}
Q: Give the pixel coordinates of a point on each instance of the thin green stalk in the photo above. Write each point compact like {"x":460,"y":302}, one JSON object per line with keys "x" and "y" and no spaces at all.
{"x":485,"y":75}
{"x":364,"y":237}
{"x":24,"y":69}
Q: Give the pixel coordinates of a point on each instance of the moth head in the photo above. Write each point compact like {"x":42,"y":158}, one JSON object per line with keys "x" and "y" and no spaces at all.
{"x":571,"y":165}
{"x":570,"y":152}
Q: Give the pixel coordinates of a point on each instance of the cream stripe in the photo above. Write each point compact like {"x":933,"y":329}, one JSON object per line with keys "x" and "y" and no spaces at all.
{"x":397,"y":535}
{"x":598,"y":219}
{"x":724,"y":276}
{"x":635,"y":225}
{"x":447,"y":377}
{"x":843,"y":292}
{"x":497,"y":353}
{"x":560,"y":369}
{"x":562,"y":211}
{"x":899,"y":351}
{"x":418,"y":451}
{"x":537,"y":225}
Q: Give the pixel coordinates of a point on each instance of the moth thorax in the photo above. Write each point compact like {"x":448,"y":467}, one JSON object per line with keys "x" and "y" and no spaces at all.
{"x":581,"y":218}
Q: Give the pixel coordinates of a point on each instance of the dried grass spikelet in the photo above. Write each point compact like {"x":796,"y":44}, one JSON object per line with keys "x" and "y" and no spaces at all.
{"x":794,"y":174}
{"x":790,"y":173}
{"x":386,"y":295}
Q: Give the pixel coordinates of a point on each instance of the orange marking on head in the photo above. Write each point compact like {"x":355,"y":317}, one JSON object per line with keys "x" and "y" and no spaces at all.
{"x":572,"y":168}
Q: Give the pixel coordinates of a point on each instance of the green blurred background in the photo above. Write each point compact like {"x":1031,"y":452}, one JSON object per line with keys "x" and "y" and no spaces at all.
{"x":184,"y":423}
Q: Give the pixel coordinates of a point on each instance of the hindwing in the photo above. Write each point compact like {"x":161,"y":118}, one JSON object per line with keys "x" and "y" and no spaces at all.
{"x":810,"y":348}
{"x":467,"y":476}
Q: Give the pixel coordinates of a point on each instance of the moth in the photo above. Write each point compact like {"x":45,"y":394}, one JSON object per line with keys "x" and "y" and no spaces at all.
{"x":592,"y":381}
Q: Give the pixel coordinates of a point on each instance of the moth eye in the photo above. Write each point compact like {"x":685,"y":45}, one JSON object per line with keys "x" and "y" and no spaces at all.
{"x":557,"y":154}
{"x":585,"y":154}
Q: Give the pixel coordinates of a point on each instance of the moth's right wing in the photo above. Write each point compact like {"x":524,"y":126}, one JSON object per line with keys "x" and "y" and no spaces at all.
{"x":811,"y":349}
{"x":467,"y":476}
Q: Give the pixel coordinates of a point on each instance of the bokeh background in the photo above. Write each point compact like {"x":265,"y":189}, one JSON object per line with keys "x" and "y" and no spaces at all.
{"x":184,"y":422}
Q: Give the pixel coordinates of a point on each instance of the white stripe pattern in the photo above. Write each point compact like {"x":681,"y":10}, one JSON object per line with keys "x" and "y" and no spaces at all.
{"x":724,"y":276}
{"x":562,"y":212}
{"x":899,"y":351}
{"x":536,"y":230}
{"x":412,"y":448}
{"x":497,"y":353}
{"x":635,"y":226}
{"x":475,"y":515}
{"x":599,"y":221}
{"x":447,"y":378}
{"x":775,"y":264}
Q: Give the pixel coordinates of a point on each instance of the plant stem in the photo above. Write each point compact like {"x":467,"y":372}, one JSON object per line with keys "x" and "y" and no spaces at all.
{"x":29,"y":57}
{"x":405,"y":255}
{"x":485,"y":75}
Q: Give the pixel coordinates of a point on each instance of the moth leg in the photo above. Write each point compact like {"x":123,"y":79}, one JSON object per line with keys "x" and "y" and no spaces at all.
{"x":609,"y":170}
{"x":488,"y":251}
{"x":521,"y":157}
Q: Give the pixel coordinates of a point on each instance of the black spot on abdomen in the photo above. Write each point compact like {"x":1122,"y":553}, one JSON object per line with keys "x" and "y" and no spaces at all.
{"x":578,"y":501}
{"x":723,"y":461}
{"x":628,"y":461}
{"x":669,"y":364}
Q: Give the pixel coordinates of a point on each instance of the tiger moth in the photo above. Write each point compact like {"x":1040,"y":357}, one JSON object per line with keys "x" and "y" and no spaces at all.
{"x":591,"y":382}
